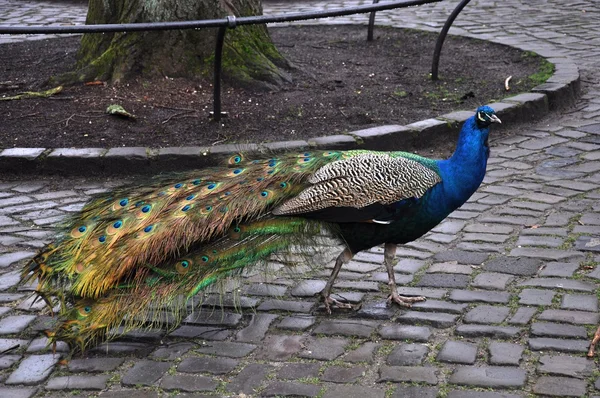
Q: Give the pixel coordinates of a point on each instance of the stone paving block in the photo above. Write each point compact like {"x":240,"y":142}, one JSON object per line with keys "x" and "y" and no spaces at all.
{"x":563,"y":365}
{"x":481,"y":394}
{"x":536,"y":297}
{"x":558,"y":330}
{"x":215,"y":333}
{"x":226,"y":349}
{"x":487,"y":314}
{"x":292,"y":371}
{"x":560,"y":283}
{"x":291,"y":389}
{"x":145,"y":373}
{"x":513,"y":266}
{"x":403,"y":391}
{"x":473,"y":296}
{"x":568,"y":316}
{"x":216,"y":366}
{"x":249,"y":379}
{"x":522,"y":316}
{"x":500,"y":332}
{"x":439,"y":306}
{"x":6,"y":361}
{"x":324,"y":348}
{"x":422,"y":291}
{"x":581,"y":302}
{"x":435,"y":319}
{"x":343,"y":374}
{"x":401,"y":332}
{"x":505,"y":353}
{"x":364,"y":353}
{"x":9,"y":280}
{"x":297,"y":323}
{"x":462,"y":257}
{"x":546,"y":254}
{"x":213,"y":318}
{"x":408,"y":355}
{"x":353,"y":391}
{"x":257,"y":329}
{"x":398,"y":374}
{"x":560,"y":387}
{"x":94,"y":364}
{"x":173,"y":351}
{"x":11,"y":258}
{"x":132,"y":394}
{"x":559,"y":269}
{"x":76,"y":382}
{"x":17,"y":392}
{"x":489,"y":376}
{"x":458,"y":352}
{"x":491,"y":280}
{"x":450,"y":268}
{"x":280,"y":347}
{"x":189,"y":383}
{"x":560,"y":345}
{"x":345,"y":328}
{"x":308,"y":288}
{"x":33,"y":369}
{"x":377,"y":310}
{"x":409,"y":266}
{"x":283,"y":305}
{"x":263,"y":289}
{"x":13,"y":324}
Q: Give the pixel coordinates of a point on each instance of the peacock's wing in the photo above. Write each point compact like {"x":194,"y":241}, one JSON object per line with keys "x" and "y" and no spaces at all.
{"x":365,"y":181}
{"x":150,"y":225}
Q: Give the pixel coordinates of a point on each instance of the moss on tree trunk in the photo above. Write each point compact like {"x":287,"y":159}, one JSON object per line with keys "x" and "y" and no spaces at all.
{"x":249,"y":56}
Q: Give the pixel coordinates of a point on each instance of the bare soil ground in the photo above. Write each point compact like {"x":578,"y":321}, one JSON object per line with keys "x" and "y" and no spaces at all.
{"x":340,"y":83}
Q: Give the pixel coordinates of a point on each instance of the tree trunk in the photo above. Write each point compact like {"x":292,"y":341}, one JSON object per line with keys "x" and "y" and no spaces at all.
{"x":249,"y":56}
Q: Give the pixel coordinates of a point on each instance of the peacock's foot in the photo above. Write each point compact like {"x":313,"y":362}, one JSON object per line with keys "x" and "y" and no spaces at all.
{"x":329,"y":302}
{"x":592,"y":350}
{"x":404,"y":301}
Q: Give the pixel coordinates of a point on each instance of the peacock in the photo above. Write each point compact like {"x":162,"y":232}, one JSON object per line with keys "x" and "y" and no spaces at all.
{"x":134,"y":250}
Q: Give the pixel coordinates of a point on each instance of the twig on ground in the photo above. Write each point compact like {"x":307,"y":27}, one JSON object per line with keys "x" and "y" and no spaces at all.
{"x":176,"y":115}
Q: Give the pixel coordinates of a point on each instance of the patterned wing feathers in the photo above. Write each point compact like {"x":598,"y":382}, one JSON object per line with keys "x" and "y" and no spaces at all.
{"x":362,"y":180}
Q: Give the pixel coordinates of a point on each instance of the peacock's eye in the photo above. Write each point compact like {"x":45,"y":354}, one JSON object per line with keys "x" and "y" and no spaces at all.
{"x":146,"y":208}
{"x":178,"y":185}
{"x":82,"y":229}
{"x":118,"y":224}
{"x":123,"y":202}
{"x":102,"y":239}
{"x":87,"y":309}
{"x":148,"y":228}
{"x":185,"y":264}
{"x":205,"y":258}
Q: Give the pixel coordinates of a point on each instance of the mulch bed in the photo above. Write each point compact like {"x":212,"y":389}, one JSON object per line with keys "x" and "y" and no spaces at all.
{"x":340,"y":83}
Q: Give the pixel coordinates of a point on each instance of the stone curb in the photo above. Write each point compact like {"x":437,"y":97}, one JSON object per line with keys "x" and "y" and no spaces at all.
{"x":561,"y":90}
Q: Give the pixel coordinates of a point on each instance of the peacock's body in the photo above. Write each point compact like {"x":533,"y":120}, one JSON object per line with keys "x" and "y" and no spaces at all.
{"x":134,"y":250}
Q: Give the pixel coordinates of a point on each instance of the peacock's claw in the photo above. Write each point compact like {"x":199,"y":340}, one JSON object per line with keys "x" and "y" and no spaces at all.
{"x":592,"y":350}
{"x":404,"y":301}
{"x":329,"y":301}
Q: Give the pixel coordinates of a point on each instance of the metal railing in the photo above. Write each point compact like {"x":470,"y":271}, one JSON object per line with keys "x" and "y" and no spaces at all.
{"x":232,"y":22}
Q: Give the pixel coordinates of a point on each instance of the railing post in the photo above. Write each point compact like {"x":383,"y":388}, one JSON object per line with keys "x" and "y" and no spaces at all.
{"x":440,"y":41}
{"x":216,"y":113}
{"x":371,"y":23}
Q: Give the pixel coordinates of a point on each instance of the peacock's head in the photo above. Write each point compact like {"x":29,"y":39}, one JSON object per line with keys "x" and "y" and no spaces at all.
{"x":485,"y":115}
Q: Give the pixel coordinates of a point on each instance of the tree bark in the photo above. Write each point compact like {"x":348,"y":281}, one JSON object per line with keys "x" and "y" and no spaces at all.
{"x":249,"y":56}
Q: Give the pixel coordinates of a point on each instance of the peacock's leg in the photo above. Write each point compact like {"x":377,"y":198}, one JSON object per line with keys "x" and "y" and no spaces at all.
{"x":592,"y":350}
{"x":388,"y":259}
{"x":342,"y":259}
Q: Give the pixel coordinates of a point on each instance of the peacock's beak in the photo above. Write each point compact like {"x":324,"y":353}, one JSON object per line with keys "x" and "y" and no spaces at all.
{"x":495,"y":119}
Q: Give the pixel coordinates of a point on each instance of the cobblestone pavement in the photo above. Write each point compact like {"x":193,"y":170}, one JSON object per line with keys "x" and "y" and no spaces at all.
{"x":511,"y":277}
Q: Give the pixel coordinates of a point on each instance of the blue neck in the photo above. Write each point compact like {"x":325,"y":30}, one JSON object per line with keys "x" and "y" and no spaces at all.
{"x":464,"y":171}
